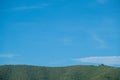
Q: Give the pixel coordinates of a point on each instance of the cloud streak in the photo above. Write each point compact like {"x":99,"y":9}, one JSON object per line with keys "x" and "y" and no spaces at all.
{"x":67,"y":41}
{"x":27,"y":8}
{"x":100,"y":41}
{"x":23,"y":8}
{"x":7,"y":55}
{"x":101,"y":1}
{"x":108,"y":60}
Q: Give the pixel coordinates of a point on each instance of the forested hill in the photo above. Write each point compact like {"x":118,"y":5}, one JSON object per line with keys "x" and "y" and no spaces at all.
{"x":25,"y":72}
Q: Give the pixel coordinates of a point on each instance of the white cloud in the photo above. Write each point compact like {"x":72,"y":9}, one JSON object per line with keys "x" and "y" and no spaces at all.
{"x":108,"y":60}
{"x":7,"y":55}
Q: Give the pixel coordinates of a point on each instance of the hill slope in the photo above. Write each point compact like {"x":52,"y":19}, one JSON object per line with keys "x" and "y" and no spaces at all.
{"x":25,"y":72}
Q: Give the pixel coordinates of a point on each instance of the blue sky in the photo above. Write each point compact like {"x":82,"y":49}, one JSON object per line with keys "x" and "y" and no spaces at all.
{"x":59,"y":32}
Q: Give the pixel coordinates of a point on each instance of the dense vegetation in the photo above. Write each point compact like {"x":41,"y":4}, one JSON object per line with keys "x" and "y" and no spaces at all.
{"x":25,"y":72}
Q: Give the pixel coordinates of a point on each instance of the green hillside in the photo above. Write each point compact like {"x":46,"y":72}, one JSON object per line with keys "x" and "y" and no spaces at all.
{"x":26,"y":72}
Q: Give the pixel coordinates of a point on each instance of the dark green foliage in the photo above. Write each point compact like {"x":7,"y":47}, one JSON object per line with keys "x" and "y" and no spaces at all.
{"x":25,"y":72}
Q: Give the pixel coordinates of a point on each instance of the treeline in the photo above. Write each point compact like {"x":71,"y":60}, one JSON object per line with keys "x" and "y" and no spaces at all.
{"x":25,"y":72}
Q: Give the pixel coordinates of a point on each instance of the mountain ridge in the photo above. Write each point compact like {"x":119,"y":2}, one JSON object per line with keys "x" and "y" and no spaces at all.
{"x":74,"y":72}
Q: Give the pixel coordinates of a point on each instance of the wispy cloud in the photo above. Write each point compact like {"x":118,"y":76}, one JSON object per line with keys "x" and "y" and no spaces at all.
{"x":7,"y":55}
{"x":101,"y":1}
{"x":23,"y":8}
{"x":27,"y":7}
{"x":108,"y":60}
{"x":99,"y":40}
{"x":67,"y":41}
